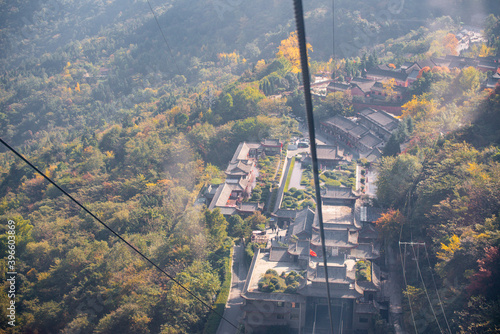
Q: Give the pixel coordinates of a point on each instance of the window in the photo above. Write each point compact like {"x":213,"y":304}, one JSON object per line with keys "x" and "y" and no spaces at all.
{"x":294,"y":316}
{"x":363,"y":320}
{"x":280,"y":304}
{"x":280,"y":316}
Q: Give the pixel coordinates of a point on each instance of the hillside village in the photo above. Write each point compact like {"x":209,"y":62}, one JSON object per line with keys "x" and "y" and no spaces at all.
{"x":386,"y":86}
{"x":285,"y":283}
{"x":291,"y":241}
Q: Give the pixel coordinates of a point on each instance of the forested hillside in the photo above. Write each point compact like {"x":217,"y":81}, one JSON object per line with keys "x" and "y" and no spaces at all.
{"x":133,"y":128}
{"x":443,"y":190}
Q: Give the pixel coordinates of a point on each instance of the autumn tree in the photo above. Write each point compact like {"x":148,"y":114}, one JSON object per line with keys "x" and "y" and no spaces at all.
{"x":390,"y":224}
{"x":450,"y":43}
{"x":470,"y":79}
{"x":289,"y":48}
{"x":388,"y":86}
{"x":487,"y":280}
{"x":419,"y":107}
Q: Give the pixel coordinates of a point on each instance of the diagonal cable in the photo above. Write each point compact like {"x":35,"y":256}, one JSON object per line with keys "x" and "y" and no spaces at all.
{"x":164,"y":37}
{"x":301,"y":34}
{"x":144,"y":257}
{"x":435,"y":287}
{"x":403,"y":265}
{"x":425,"y":289}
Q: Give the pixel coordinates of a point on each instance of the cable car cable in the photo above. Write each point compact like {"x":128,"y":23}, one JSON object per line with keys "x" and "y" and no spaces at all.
{"x":144,"y":257}
{"x":301,"y":35}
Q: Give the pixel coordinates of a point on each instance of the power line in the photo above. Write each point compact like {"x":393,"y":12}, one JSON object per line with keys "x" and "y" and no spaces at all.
{"x":425,"y":288}
{"x":334,"y":74}
{"x":164,"y":37}
{"x":435,"y":287}
{"x":301,"y":34}
{"x":144,"y":257}
{"x":403,"y":262}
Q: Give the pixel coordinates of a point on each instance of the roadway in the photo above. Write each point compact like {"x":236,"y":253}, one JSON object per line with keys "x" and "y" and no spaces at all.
{"x":232,"y":312}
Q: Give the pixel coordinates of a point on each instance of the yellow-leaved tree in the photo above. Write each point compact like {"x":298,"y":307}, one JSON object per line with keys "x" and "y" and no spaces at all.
{"x":446,"y":254}
{"x":389,"y":88}
{"x":447,"y":251}
{"x":289,"y":48}
{"x":419,"y":107}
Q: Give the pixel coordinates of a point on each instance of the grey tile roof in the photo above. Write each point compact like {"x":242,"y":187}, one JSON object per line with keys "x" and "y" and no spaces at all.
{"x":243,"y":150}
{"x":285,"y":213}
{"x":365,"y":85}
{"x":413,"y":74}
{"x":338,"y":192}
{"x":336,"y":238}
{"x":370,"y":140}
{"x":319,"y":291}
{"x":329,"y":152}
{"x":303,"y":222}
{"x":239,"y":168}
{"x":372,"y":155}
{"x":338,"y":86}
{"x":358,"y":131}
{"x":248,"y":207}
{"x":380,"y":118}
{"x":301,"y":248}
{"x":271,"y":142}
{"x":340,"y":122}
{"x":278,"y":253}
{"x":387,"y":74}
{"x":335,"y":273}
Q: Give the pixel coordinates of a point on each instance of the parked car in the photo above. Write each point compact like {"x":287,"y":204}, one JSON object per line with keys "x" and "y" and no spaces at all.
{"x":303,"y":145}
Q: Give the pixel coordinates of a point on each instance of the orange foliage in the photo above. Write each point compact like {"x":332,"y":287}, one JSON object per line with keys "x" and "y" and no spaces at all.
{"x":450,"y":43}
{"x":389,"y":224}
{"x":425,"y":69}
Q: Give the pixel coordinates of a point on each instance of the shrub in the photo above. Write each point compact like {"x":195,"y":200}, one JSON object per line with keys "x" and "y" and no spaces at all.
{"x":256,"y":197}
{"x":334,"y":183}
{"x":292,"y":288}
{"x":363,"y":271}
{"x":271,"y":282}
{"x":271,"y":272}
{"x":299,"y":193}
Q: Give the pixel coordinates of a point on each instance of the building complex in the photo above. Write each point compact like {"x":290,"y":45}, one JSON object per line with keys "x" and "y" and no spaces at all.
{"x":355,"y":278}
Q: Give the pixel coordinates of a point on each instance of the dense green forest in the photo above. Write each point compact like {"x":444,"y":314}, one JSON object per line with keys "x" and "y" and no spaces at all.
{"x":133,"y":127}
